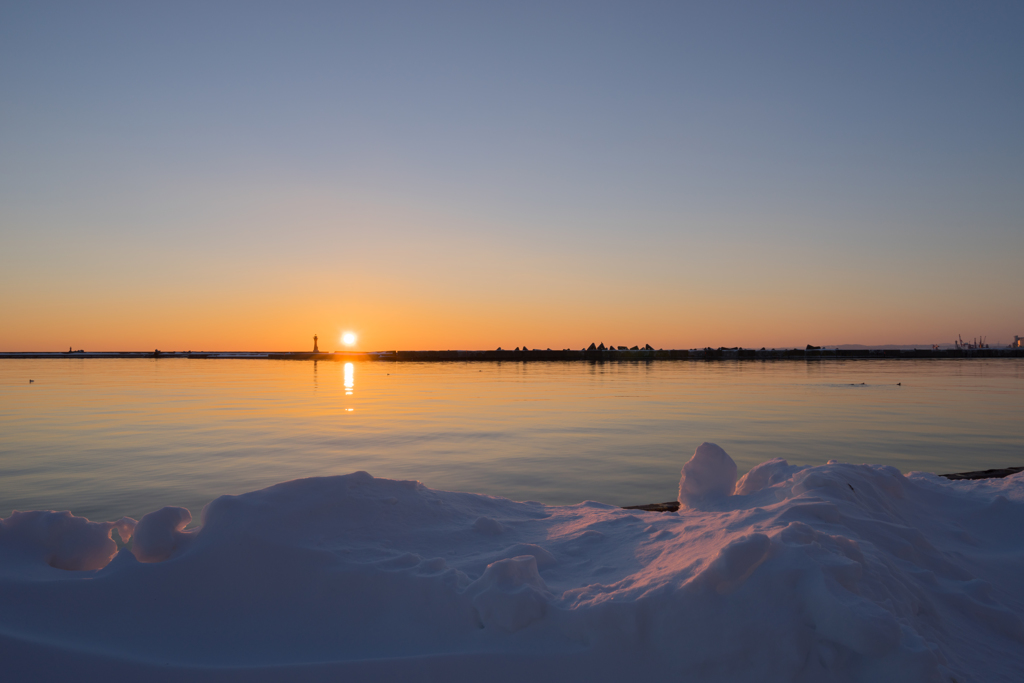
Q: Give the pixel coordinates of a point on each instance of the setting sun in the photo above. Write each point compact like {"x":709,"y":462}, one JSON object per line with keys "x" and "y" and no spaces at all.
{"x":348,"y":339}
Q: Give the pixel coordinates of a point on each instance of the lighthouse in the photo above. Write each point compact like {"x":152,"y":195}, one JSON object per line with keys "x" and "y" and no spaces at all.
{"x":315,"y":349}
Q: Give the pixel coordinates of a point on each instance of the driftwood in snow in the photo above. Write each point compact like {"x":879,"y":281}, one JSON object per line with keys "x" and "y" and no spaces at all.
{"x":985,"y":474}
{"x":670,"y":506}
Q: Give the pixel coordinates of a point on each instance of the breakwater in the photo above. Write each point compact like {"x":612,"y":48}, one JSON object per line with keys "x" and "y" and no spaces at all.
{"x":531,"y":355}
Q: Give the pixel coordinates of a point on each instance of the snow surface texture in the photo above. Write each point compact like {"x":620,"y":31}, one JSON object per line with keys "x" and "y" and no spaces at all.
{"x":831,"y":573}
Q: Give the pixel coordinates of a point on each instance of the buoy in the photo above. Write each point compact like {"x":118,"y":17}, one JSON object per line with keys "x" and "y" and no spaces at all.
{"x":31,"y":381}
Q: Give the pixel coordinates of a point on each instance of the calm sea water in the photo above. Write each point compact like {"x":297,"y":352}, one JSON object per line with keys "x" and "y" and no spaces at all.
{"x":106,"y":438}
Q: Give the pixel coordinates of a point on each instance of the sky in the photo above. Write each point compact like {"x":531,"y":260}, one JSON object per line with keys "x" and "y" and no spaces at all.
{"x":440,"y":175}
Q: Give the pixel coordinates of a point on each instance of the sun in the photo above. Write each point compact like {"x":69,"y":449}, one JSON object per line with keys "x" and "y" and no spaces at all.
{"x":348,"y":339}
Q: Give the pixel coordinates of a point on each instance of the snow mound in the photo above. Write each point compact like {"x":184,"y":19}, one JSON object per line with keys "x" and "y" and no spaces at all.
{"x":510,"y":595}
{"x":159,"y":534}
{"x":766,"y":474}
{"x":710,"y":474}
{"x":35,"y":540}
{"x":832,"y":573}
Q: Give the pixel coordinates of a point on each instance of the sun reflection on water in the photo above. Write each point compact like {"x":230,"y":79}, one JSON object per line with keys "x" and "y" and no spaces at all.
{"x":350,"y":373}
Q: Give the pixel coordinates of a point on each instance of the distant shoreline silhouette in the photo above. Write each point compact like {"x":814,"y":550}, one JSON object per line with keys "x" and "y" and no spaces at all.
{"x":593,"y":353}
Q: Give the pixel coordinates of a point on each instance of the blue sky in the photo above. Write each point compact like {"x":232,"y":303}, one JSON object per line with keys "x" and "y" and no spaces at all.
{"x":864,"y":158}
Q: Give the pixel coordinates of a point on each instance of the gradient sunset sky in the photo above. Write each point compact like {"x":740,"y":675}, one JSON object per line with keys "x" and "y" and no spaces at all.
{"x":473,"y":175}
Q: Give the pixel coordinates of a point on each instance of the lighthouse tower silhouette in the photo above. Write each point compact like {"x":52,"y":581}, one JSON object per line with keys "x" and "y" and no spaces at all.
{"x":315,"y":349}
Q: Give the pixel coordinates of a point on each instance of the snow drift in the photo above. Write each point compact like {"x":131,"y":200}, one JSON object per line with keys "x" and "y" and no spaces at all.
{"x":831,"y":573}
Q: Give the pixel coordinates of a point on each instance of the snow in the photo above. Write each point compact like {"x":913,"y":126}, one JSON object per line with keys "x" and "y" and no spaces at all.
{"x":59,"y":540}
{"x":710,"y":474}
{"x":160,"y":534}
{"x":767,"y":474}
{"x":831,"y":573}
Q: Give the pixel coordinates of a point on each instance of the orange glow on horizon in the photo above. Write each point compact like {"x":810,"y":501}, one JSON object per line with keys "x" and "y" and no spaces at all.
{"x":483,"y":304}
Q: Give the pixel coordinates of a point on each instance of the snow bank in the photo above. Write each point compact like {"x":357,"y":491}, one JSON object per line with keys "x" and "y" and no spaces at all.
{"x":830,"y":573}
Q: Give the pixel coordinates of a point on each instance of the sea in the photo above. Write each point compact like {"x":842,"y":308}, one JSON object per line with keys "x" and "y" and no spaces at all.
{"x":105,"y":438}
